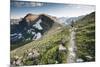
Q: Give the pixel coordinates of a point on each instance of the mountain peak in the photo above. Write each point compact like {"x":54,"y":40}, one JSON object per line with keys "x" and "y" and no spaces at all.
{"x":33,"y":24}
{"x":30,"y":17}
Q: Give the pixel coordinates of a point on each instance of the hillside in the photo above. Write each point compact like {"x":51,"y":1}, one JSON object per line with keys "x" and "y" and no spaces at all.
{"x":47,"y":47}
{"x":85,"y":37}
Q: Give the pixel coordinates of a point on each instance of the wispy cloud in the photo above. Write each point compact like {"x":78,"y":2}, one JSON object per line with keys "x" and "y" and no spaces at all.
{"x":21,"y":8}
{"x":26,"y":4}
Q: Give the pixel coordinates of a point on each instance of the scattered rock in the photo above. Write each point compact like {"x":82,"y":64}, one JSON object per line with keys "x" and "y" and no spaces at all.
{"x":62,"y":48}
{"x":89,"y":57}
{"x":17,"y":61}
{"x":79,"y":60}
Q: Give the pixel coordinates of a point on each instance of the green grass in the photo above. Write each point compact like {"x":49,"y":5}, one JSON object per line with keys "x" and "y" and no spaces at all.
{"x":47,"y":47}
{"x":85,"y":37}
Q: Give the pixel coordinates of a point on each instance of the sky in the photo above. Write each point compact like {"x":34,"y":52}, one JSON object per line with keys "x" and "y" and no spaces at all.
{"x":20,"y":8}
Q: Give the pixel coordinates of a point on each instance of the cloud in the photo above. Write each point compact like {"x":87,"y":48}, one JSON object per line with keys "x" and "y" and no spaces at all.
{"x":26,"y":4}
{"x":34,"y":4}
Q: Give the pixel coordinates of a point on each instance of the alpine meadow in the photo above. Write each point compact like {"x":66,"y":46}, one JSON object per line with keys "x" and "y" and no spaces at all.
{"x":51,"y":33}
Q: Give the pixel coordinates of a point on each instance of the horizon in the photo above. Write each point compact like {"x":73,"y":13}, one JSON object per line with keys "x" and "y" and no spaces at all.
{"x":20,"y":8}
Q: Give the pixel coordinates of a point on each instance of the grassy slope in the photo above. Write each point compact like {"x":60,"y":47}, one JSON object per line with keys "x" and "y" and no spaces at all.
{"x":85,"y":37}
{"x":47,"y":46}
{"x":22,"y":43}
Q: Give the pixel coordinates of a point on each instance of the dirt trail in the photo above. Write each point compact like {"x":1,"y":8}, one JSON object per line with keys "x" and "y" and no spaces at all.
{"x":72,"y":47}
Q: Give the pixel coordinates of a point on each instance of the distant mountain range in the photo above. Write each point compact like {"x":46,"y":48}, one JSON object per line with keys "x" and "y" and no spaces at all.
{"x":68,"y":20}
{"x":14,"y":21}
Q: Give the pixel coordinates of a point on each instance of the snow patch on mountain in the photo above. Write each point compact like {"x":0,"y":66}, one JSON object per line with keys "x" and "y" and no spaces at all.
{"x":37,"y":25}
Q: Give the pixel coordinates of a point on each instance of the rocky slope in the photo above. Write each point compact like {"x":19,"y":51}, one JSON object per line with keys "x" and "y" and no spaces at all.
{"x":32,"y":27}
